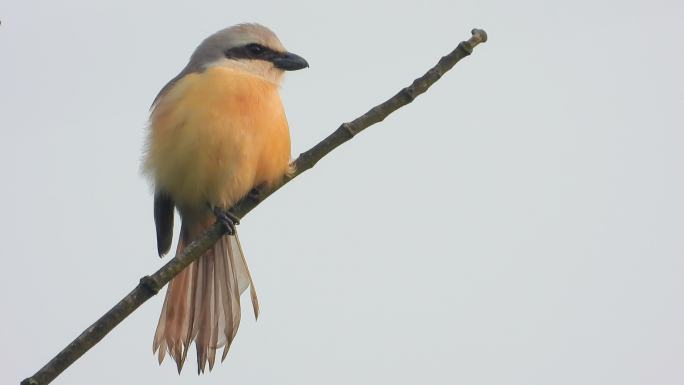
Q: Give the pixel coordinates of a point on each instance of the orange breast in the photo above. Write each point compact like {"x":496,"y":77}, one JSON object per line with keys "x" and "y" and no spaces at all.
{"x":215,"y":135}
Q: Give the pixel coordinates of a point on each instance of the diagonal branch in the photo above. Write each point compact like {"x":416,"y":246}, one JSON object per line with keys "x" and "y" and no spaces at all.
{"x":150,"y":285}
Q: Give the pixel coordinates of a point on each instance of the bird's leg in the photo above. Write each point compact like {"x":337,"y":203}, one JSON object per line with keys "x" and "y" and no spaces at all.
{"x":255,"y":194}
{"x":227,"y":219}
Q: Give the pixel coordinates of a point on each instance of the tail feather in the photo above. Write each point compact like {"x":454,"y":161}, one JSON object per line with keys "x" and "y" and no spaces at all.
{"x":233,"y":299}
{"x":245,"y":274}
{"x":203,"y":303}
{"x":174,"y":331}
{"x":204,"y":310}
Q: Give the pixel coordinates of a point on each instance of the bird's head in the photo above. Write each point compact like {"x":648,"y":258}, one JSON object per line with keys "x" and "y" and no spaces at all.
{"x":248,"y":47}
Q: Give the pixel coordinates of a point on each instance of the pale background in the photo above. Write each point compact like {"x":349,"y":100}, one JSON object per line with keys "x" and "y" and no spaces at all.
{"x":521,"y":223}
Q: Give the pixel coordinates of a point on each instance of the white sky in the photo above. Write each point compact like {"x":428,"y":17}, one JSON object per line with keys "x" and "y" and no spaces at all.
{"x":521,"y":223}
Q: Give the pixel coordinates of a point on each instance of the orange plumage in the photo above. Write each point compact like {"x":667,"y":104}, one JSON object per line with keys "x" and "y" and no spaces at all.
{"x":217,"y":134}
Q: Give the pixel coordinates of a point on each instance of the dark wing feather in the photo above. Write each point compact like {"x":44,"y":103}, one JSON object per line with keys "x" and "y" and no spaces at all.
{"x":163,"y":221}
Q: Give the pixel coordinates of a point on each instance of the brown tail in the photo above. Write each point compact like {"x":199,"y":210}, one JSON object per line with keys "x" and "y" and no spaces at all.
{"x":203,"y":302}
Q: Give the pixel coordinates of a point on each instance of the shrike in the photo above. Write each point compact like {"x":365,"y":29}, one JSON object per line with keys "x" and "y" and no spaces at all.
{"x":216,"y":131}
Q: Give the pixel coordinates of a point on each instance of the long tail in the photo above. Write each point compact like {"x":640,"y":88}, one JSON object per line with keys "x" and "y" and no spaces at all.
{"x":203,"y":302}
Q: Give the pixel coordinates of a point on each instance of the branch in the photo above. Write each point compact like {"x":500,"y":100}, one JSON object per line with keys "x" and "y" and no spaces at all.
{"x":150,"y":285}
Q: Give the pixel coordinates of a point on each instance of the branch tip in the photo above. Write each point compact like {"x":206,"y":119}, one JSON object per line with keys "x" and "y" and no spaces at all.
{"x":479,"y":36}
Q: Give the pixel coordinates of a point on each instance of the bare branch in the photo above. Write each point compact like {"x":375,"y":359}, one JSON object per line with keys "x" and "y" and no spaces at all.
{"x":150,"y":285}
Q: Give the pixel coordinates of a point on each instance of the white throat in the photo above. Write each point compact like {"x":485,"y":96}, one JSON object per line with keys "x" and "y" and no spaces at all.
{"x":260,"y":68}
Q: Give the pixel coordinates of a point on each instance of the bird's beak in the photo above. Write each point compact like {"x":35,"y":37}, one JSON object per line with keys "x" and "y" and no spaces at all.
{"x":290,"y":62}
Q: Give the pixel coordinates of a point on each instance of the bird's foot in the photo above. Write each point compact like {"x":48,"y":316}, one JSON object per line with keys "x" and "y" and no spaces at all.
{"x":227,"y":219}
{"x":254,"y":194}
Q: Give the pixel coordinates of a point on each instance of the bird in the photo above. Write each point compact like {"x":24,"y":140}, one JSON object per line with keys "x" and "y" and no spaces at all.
{"x":216,"y":131}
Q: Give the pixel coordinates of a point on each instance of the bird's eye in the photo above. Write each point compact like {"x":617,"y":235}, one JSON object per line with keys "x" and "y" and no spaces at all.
{"x":255,"y":49}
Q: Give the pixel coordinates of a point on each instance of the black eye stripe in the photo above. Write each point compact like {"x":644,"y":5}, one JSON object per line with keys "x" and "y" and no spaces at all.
{"x":256,"y":49}
{"x":251,"y":51}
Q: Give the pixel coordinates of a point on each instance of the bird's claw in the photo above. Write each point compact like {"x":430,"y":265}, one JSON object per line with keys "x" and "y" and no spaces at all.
{"x":227,"y":219}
